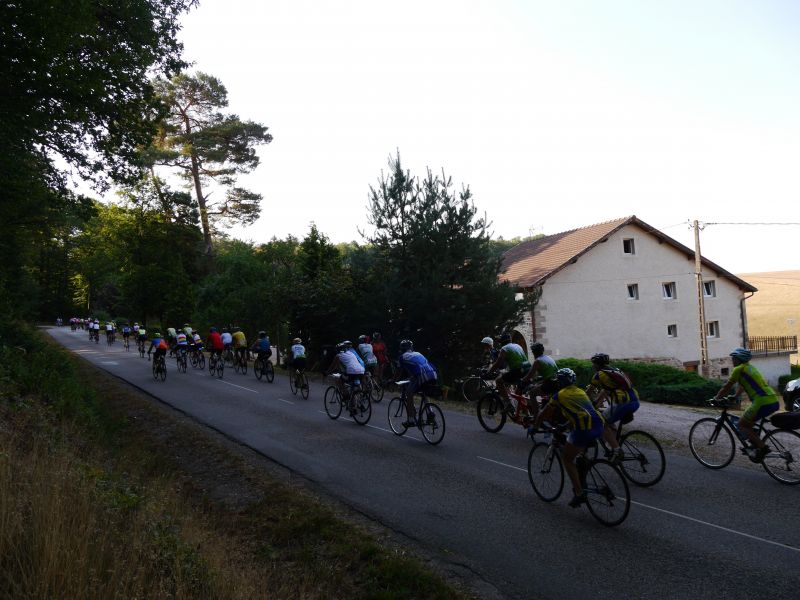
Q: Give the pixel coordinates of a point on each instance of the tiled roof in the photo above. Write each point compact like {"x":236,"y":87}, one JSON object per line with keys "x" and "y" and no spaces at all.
{"x":528,"y":264}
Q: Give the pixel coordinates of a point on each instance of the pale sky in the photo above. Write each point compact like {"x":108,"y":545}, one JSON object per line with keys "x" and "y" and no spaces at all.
{"x":557,"y":114}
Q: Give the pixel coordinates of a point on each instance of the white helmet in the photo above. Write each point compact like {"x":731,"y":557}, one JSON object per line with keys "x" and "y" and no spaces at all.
{"x":487,"y":340}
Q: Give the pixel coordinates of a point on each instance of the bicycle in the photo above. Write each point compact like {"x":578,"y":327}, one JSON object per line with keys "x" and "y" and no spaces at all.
{"x":216,"y":365}
{"x":430,"y":418}
{"x":127,"y":344}
{"x":493,"y":410}
{"x":240,"y":363}
{"x":198,"y":359}
{"x":474,"y":386}
{"x":159,"y":368}
{"x":298,"y":382}
{"x":358,"y":403}
{"x":109,"y":338}
{"x":180,"y":357}
{"x":711,"y":442}
{"x":607,"y":493}
{"x":373,"y":387}
{"x":643,"y":462}
{"x":140,"y":343}
{"x":228,"y":356}
{"x":262,"y":367}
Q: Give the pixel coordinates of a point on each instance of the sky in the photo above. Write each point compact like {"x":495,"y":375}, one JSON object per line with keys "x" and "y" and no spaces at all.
{"x":557,"y":115}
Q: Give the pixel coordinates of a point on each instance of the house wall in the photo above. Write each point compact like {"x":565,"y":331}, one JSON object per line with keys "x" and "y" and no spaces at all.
{"x":585,"y":308}
{"x":772,"y":366}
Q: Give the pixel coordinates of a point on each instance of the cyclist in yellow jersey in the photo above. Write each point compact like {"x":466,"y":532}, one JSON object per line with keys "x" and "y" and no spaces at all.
{"x":617,"y":389}
{"x":763,"y":397}
{"x":239,"y":342}
{"x":586,"y":425}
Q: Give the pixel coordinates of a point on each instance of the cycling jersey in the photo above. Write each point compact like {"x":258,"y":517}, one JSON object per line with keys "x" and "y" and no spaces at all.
{"x":369,"y":356}
{"x":142,"y":333}
{"x":546,"y":367}
{"x":126,"y":330}
{"x":351,"y":363}
{"x":515,"y":356}
{"x":157,"y":344}
{"x":379,"y":349}
{"x":215,"y":341}
{"x":763,"y":397}
{"x":298,"y":351}
{"x":418,"y":366}
{"x":355,"y":353}
{"x":239,"y":340}
{"x":181,"y":339}
{"x":227,"y":338}
{"x":577,"y":408}
{"x":617,"y":384}
{"x":188,"y":331}
{"x":262,"y":345}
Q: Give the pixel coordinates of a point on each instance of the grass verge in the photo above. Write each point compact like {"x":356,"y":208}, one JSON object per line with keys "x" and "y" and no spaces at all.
{"x":106,"y":495}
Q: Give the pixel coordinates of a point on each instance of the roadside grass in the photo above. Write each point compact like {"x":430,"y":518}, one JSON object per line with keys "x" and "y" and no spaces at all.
{"x":105,"y":495}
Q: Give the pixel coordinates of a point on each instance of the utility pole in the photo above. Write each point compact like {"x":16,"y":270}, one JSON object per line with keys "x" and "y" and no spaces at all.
{"x":701,"y":309}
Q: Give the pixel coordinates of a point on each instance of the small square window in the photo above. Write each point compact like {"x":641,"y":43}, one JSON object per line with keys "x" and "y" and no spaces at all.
{"x":713,"y":329}
{"x":709,"y":289}
{"x":633,"y":291}
{"x":672,"y":330}
{"x":628,"y":246}
{"x":669,"y":290}
{"x":724,"y":371}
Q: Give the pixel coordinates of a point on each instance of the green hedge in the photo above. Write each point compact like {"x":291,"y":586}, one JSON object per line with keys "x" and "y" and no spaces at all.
{"x":655,"y":383}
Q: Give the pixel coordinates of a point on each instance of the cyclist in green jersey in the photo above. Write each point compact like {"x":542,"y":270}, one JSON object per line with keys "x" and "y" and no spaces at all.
{"x":542,"y":369}
{"x":514,"y":359}
{"x":763,"y":397}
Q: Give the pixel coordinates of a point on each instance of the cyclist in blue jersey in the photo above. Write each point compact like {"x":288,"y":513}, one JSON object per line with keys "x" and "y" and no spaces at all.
{"x":420,"y":372}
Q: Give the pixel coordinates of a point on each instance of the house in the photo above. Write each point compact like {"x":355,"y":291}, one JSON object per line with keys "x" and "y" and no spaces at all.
{"x":625,"y":288}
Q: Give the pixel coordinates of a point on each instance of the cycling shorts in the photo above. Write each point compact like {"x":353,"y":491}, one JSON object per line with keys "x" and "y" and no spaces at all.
{"x":512,"y":376}
{"x":299,"y":362}
{"x":617,"y":412}
{"x":585,"y":437}
{"x":761,"y":408}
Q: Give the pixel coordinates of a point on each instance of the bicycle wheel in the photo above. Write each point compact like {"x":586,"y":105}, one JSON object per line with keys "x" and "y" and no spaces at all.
{"x":397,"y":416}
{"x":269,"y":371}
{"x":783,"y":461}
{"x":711,"y":443}
{"x":545,"y":471}
{"x":362,"y":407}
{"x":293,"y":382}
{"x":228,"y":357}
{"x":431,"y":423}
{"x":472,"y":388}
{"x":491,"y":412}
{"x":201,"y":361}
{"x":155,"y":370}
{"x":643,"y":461}
{"x":220,"y":368}
{"x":333,"y":402}
{"x":162,"y":370}
{"x":237,"y":366}
{"x":258,"y":369}
{"x":607,"y":494}
{"x":377,"y":391}
{"x":212,"y":364}
{"x":304,"y":386}
{"x":244,"y":365}
{"x":193,"y":360}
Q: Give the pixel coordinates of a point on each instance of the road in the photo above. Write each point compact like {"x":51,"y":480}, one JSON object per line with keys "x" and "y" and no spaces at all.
{"x":697,"y":534}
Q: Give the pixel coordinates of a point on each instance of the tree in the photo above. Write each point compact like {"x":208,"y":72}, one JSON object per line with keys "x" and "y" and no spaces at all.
{"x":207,"y":147}
{"x":439,"y":272}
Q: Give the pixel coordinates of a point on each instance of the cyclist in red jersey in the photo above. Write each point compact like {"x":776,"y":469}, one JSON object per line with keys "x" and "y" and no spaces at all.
{"x":214,"y":342}
{"x":379,"y":350}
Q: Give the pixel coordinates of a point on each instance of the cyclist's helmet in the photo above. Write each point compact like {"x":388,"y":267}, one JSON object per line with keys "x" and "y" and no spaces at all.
{"x":212,"y":330}
{"x":362,"y":339}
{"x":376,"y":335}
{"x":347,"y":344}
{"x":600,"y":359}
{"x":537,"y":349}
{"x":225,"y":330}
{"x":505,"y":339}
{"x":135,"y":323}
{"x":406,"y":345}
{"x":488,"y":341}
{"x":742,"y":354}
{"x":566,"y":377}
{"x":341,"y":347}
{"x":156,"y":334}
{"x":237,"y":329}
{"x":297,"y":341}
{"x":262,"y":334}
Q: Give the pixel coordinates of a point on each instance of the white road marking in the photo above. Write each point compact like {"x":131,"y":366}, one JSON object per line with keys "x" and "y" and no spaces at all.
{"x":109,"y":362}
{"x":238,"y":386}
{"x":287,"y":401}
{"x":679,"y":515}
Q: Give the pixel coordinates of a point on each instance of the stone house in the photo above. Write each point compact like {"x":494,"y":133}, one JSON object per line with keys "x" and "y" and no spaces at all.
{"x":625,"y":288}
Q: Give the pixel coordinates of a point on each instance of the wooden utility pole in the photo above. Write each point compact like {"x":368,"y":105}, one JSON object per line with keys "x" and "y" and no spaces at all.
{"x":701,"y":309}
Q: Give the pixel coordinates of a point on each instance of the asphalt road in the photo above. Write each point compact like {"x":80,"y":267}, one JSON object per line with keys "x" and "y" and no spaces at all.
{"x":699,"y":533}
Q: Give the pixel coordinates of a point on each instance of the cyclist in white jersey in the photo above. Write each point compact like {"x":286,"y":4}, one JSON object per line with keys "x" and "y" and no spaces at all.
{"x":365,"y":350}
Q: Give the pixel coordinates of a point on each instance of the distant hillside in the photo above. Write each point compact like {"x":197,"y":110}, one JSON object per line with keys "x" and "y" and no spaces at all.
{"x":775,"y":307}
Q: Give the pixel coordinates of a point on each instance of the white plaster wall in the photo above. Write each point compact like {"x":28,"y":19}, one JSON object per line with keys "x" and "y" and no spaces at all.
{"x":772,"y":367}
{"x":585,"y":307}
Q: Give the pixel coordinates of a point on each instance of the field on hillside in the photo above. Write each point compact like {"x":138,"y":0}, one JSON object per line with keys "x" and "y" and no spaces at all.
{"x":775,"y":307}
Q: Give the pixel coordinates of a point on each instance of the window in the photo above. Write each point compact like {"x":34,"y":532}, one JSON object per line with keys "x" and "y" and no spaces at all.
{"x":724,"y":371}
{"x":672,"y":330}
{"x":669,"y":291}
{"x":628,"y":247}
{"x":709,"y":289}
{"x":713,"y":329}
{"x":633,"y":291}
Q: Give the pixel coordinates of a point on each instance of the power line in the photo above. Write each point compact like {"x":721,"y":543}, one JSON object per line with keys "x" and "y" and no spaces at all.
{"x":722,"y":223}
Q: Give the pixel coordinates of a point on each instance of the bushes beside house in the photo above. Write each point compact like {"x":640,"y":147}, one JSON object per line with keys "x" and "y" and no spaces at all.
{"x":655,"y":383}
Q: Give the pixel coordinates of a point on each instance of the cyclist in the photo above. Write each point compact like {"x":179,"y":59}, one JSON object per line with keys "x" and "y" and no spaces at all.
{"x":623,"y":400}
{"x":348,"y":364}
{"x":584,"y":421}
{"x":240,"y":343}
{"x":227,"y":338}
{"x":513,"y":357}
{"x":181,"y":344}
{"x":214,"y":343}
{"x":420,"y":372}
{"x":187,"y":329}
{"x":171,"y":339}
{"x":379,"y":350}
{"x":297,"y":354}
{"x":262,"y":346}
{"x":126,"y":333}
{"x":542,"y":369}
{"x":489,"y":351}
{"x":764,"y":400}
{"x":141,"y":337}
{"x":159,"y":345}
{"x":367,"y":354}
{"x":110,"y":331}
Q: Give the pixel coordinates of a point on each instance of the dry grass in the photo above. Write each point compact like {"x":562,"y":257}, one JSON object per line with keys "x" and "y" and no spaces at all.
{"x":774,"y":310}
